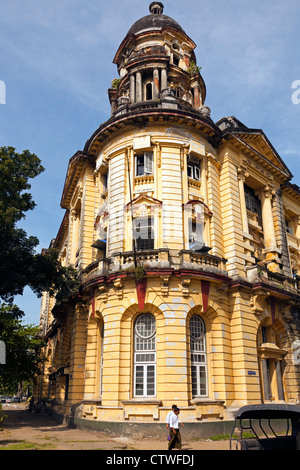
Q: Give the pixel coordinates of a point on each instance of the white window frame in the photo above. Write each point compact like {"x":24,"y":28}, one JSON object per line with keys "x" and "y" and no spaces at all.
{"x":148,"y":163}
{"x":101,"y":361}
{"x":147,"y":229}
{"x":194,"y":168}
{"x":148,"y":362}
{"x":198,"y":349}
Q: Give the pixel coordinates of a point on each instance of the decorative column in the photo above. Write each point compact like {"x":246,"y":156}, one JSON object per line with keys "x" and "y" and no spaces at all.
{"x":156,"y":87}
{"x":75,"y":224}
{"x":279,"y":380}
{"x":164,"y":79}
{"x":196,"y":98}
{"x":247,"y":238}
{"x":138,"y":84}
{"x":132,"y":89}
{"x":241,"y":174}
{"x":271,"y":251}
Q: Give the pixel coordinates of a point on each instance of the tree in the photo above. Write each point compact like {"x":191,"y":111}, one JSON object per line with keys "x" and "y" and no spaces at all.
{"x":16,"y":248}
{"x":23,"y":361}
{"x":20,"y":265}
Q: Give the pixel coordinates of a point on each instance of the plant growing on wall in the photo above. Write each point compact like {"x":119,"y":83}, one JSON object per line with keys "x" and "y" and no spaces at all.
{"x":193,"y":68}
{"x":115,"y":83}
{"x":139,"y":273}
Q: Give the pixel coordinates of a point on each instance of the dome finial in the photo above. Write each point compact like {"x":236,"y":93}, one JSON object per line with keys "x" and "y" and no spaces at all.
{"x":156,"y":8}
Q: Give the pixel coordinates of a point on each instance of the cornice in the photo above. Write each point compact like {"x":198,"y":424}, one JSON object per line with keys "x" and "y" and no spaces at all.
{"x":141,"y":114}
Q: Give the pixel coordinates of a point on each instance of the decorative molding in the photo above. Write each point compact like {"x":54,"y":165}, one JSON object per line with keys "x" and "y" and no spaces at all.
{"x":118,"y":285}
{"x":185,"y":283}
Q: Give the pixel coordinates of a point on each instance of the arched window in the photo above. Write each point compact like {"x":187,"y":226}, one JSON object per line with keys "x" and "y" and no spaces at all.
{"x":149,"y":91}
{"x":145,"y":356}
{"x":198,"y":357}
{"x":101,"y":360}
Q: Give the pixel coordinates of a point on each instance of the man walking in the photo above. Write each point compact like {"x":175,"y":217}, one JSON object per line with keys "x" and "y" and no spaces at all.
{"x":175,"y":436}
{"x":169,"y":415}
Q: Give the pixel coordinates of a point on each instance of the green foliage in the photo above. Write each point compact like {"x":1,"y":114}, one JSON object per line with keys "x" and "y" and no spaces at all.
{"x":16,"y":248}
{"x":23,"y":345}
{"x":47,"y":274}
{"x":15,"y":171}
{"x":139,"y":273}
{"x":193,"y":68}
{"x":20,"y":265}
{"x":115,"y":83}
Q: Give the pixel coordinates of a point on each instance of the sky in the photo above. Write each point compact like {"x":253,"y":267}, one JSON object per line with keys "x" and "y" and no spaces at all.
{"x":56,"y":65}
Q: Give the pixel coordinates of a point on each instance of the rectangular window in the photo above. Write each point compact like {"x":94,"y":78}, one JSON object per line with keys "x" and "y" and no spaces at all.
{"x":144,"y":233}
{"x":196,"y":238}
{"x":252,"y":201}
{"x":199,"y":381}
{"x":289,"y":227}
{"x":144,"y":164}
{"x":144,"y":380}
{"x":194,"y":168}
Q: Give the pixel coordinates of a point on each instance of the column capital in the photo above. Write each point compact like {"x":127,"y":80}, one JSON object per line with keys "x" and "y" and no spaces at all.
{"x":242,"y":174}
{"x":266,"y":191}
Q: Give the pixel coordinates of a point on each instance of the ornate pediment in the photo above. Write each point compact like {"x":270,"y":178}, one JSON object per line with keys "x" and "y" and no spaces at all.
{"x":144,"y":205}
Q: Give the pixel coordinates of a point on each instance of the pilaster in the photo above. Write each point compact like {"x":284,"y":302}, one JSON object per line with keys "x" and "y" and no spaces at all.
{"x":78,"y":353}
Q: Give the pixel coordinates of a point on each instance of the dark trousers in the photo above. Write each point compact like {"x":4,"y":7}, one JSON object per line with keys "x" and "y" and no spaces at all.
{"x":175,"y":440}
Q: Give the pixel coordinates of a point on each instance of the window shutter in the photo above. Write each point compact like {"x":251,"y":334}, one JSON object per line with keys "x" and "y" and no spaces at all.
{"x":148,"y":162}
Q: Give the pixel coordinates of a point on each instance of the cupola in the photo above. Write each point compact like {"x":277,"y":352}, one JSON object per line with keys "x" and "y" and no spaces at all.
{"x":157,"y":67}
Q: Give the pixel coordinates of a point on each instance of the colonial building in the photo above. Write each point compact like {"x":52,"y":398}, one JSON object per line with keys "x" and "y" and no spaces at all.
{"x":186,"y":235}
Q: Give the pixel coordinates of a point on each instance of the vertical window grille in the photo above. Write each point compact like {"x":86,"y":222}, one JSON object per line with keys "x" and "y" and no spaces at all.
{"x":145,"y":356}
{"x":198,"y":357}
{"x":252,"y":201}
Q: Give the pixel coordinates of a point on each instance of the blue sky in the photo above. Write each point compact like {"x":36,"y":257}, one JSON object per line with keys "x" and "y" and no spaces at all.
{"x":56,"y":62}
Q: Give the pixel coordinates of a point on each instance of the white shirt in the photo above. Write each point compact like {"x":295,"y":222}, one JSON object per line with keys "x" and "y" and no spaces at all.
{"x":169,"y":416}
{"x":174,"y":421}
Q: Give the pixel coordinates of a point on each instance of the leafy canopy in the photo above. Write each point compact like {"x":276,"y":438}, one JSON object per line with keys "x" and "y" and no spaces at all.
{"x":20,"y":265}
{"x":23,"y":361}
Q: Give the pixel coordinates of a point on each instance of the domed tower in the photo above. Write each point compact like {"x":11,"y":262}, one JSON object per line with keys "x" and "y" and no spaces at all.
{"x":157,"y":65}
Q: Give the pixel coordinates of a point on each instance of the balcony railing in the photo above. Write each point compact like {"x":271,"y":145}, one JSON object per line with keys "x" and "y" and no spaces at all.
{"x":202,"y":261}
{"x":155,"y":259}
{"x":262,"y":274}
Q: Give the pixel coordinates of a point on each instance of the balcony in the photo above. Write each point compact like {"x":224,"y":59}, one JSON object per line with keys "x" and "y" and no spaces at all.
{"x":260,"y":274}
{"x":159,"y":259}
{"x":202,"y":261}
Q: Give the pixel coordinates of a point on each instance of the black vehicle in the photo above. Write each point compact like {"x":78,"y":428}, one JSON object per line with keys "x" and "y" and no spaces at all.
{"x":266,"y":427}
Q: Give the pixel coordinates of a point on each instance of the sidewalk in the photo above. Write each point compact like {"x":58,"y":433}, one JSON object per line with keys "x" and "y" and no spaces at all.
{"x":22,"y":430}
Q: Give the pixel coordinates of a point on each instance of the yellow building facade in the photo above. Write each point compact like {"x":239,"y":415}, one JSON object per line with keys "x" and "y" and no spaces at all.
{"x":186,"y":236}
